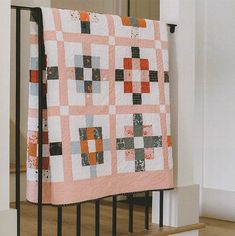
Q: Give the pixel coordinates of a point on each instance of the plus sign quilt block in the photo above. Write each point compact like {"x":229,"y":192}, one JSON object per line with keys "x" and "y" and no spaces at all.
{"x":106,"y":111}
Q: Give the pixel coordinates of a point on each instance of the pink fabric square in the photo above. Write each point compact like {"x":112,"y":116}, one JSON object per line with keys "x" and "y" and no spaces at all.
{"x":127,"y":75}
{"x":147,"y":130}
{"x":130,"y":154}
{"x":129,"y":131}
{"x":149,"y":153}
{"x":144,"y":76}
{"x":135,"y":63}
{"x":136,"y":87}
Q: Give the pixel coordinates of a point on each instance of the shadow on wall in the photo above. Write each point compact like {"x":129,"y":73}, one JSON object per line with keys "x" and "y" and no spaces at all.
{"x":149,"y":9}
{"x":25,"y":50}
{"x":23,"y":144}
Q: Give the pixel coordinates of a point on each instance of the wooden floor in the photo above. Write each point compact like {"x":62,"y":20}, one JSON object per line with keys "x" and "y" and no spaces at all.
{"x":29,"y":226}
{"x":217,"y":228}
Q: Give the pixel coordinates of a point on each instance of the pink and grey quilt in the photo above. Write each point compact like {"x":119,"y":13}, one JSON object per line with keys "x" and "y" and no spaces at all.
{"x":106,"y":107}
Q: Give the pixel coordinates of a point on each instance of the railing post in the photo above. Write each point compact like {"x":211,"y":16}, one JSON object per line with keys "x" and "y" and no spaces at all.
{"x":161,"y":208}
{"x":40,"y":115}
{"x":114,"y":219}
{"x":147,"y":210}
{"x":17,"y":130}
{"x":59,"y":221}
{"x":97,"y":217}
{"x":78,"y":220}
{"x":130,"y":213}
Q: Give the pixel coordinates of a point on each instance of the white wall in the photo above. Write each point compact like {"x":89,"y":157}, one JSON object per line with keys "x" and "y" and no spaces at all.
{"x":215,"y":106}
{"x":219,"y":161}
{"x":4,"y":103}
{"x":7,"y":217}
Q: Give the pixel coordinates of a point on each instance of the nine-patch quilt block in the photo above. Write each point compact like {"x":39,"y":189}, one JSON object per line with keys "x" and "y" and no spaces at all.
{"x":106,"y":118}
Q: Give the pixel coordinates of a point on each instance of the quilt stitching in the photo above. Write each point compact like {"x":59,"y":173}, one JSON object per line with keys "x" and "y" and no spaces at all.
{"x":139,"y":142}
{"x":87,"y":74}
{"x":136,"y":76}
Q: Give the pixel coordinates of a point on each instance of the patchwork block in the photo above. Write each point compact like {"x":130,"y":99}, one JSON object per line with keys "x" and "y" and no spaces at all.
{"x":139,"y":142}
{"x":137,"y":76}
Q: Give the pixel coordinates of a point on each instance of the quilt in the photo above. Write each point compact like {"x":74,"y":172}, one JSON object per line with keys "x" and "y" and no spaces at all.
{"x":106,"y":109}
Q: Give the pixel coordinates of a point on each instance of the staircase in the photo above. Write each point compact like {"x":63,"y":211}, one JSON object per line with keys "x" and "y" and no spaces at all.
{"x":30,"y":210}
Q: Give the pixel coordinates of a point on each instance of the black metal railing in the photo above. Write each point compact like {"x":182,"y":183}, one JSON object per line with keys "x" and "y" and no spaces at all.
{"x":38,"y":18}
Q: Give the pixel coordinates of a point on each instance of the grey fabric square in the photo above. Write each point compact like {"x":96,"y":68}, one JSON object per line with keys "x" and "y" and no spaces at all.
{"x":79,"y":73}
{"x":125,"y":143}
{"x":139,"y":165}
{"x":33,"y":89}
{"x":138,"y":131}
{"x":75,"y":147}
{"x":119,"y":75}
{"x":80,"y":86}
{"x":133,"y":21}
{"x":96,"y":74}
{"x":129,"y":143}
{"x":56,"y":149}
{"x":95,"y":61}
{"x":153,"y":76}
{"x":78,"y":61}
{"x":166,"y":77}
{"x":98,"y":133}
{"x":52,"y":73}
{"x":89,"y":120}
{"x":139,"y":154}
{"x":120,"y":144}
{"x":34,"y":63}
{"x":106,"y":144}
{"x":99,"y":158}
{"x":157,"y":141}
{"x":148,"y":142}
{"x":154,"y":141}
{"x":137,"y":119}
{"x":82,"y":133}
{"x":93,"y":171}
{"x":96,"y":88}
{"x":85,"y":159}
{"x":88,"y":86}
{"x":86,"y":61}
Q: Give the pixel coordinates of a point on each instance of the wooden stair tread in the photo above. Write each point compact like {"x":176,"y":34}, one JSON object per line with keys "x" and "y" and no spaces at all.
{"x":29,"y":220}
{"x":156,"y":231}
{"x":13,"y":168}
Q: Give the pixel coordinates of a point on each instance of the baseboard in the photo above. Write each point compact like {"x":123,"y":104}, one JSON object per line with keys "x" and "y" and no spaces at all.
{"x":181,"y":206}
{"x":218,"y":204}
{"x":8,"y":222}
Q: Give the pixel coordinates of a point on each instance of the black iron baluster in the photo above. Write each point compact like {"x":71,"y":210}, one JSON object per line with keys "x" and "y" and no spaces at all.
{"x":146,"y":210}
{"x":130,"y":198}
{"x":79,"y":220}
{"x":128,"y":8}
{"x":97,"y":217}
{"x":114,"y":219}
{"x":59,"y":221}
{"x":40,"y":116}
{"x":161,"y":208}
{"x":17,"y":134}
